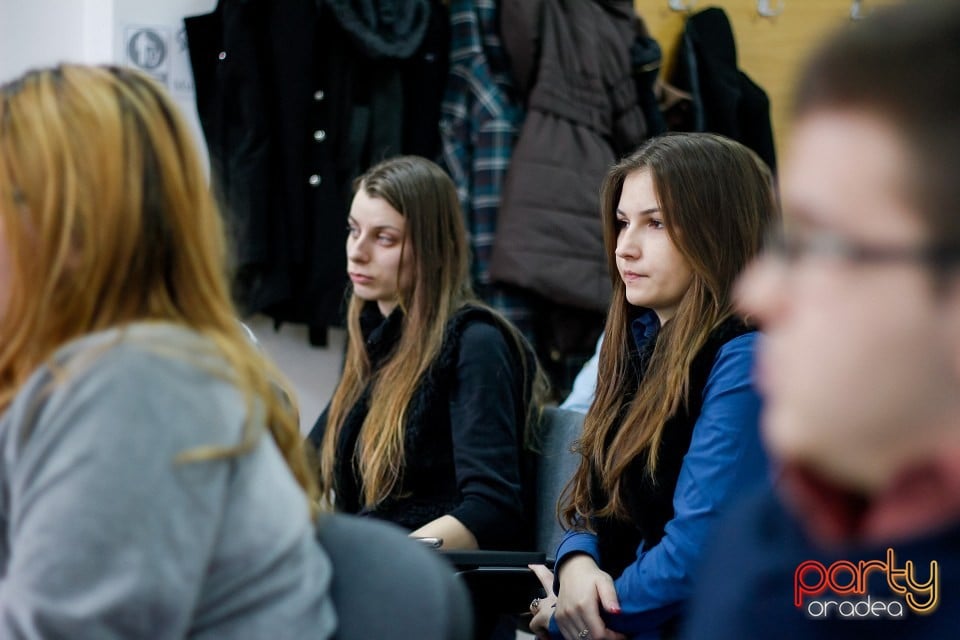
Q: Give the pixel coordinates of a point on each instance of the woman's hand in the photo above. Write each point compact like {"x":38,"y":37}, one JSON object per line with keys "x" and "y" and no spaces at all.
{"x":577,"y":624}
{"x":584,"y":589}
{"x":542,"y":608}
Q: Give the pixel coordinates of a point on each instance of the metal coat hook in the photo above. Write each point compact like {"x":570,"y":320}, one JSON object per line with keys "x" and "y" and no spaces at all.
{"x":681,"y":5}
{"x":765,"y":9}
{"x":856,"y":10}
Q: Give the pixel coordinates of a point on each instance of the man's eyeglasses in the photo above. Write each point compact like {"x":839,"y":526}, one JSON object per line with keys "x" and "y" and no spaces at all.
{"x":792,"y":247}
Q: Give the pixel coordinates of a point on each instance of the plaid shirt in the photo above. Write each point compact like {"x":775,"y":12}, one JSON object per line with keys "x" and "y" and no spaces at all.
{"x":478,"y":124}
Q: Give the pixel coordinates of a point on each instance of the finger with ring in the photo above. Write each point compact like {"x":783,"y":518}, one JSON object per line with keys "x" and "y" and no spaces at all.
{"x":583,"y":635}
{"x":534,"y":605}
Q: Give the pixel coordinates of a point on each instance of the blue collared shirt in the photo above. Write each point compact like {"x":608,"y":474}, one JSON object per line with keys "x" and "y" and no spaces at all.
{"x":725,"y":460}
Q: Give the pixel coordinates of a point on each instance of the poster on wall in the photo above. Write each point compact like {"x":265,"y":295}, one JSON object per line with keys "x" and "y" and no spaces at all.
{"x":150,"y":36}
{"x":161,"y":51}
{"x":148,"y":49}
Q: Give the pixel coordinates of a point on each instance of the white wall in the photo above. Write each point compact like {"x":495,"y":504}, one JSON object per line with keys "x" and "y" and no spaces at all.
{"x":37,"y":33}
{"x":43,"y":32}
{"x":97,"y":27}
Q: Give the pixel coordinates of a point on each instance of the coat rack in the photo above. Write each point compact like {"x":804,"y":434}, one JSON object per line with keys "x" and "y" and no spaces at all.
{"x":766,"y":9}
{"x":856,"y":10}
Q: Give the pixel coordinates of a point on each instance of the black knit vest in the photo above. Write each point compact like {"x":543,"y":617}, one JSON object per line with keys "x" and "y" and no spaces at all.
{"x":649,"y":502}
{"x":427,"y":488}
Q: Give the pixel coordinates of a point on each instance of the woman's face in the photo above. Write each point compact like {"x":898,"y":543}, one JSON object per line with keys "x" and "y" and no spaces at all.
{"x":655,"y":274}
{"x":376,"y":250}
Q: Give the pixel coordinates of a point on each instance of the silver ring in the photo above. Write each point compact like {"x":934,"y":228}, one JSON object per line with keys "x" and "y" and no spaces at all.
{"x":583,"y":635}
{"x":535,"y":605}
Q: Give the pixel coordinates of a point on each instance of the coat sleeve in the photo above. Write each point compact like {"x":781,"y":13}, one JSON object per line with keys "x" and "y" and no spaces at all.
{"x":485,"y":402}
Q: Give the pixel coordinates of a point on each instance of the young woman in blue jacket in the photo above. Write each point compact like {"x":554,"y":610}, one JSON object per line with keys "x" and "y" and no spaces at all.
{"x":671,"y":434}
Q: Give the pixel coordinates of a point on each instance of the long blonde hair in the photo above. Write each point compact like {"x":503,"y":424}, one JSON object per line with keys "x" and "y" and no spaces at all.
{"x":426,"y":197}
{"x":717,"y":197}
{"x":108,"y":220}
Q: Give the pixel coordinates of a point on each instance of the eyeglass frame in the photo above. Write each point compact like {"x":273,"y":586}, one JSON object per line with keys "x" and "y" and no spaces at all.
{"x":791,"y":248}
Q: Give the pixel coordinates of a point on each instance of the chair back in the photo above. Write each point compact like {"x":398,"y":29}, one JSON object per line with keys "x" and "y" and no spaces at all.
{"x":556,"y":464}
{"x":499,"y":581}
{"x":387,"y":585}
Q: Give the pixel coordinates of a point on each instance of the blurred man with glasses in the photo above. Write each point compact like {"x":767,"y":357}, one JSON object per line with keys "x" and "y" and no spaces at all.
{"x":859,"y":301}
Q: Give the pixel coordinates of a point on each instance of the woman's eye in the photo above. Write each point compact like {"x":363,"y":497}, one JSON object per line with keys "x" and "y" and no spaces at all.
{"x":353,"y":231}
{"x":622,"y":223}
{"x":385,"y":240}
{"x":656,"y":224}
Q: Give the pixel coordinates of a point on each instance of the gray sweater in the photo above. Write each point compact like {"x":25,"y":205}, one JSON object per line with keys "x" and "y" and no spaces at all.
{"x":104,"y":535}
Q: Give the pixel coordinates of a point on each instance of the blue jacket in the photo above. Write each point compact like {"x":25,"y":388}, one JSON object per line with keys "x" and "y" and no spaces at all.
{"x":725,"y":459}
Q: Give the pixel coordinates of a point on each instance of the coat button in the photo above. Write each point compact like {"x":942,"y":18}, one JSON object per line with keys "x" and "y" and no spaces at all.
{"x":314,"y":180}
{"x":318,"y":95}
{"x":222,"y":55}
{"x":319,"y":135}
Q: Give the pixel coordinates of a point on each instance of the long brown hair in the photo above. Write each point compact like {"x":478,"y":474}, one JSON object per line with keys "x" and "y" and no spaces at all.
{"x":426,"y":197}
{"x":717,"y":199}
{"x":108,"y":220}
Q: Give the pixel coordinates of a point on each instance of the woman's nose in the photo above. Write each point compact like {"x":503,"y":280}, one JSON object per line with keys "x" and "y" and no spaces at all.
{"x":356,"y":250}
{"x":628,"y":247}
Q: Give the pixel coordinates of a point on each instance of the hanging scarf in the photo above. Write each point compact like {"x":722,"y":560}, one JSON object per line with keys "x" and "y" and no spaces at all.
{"x":383,"y":28}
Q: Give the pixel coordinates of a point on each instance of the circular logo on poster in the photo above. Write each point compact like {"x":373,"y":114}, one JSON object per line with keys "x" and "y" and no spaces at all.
{"x":147,"y":49}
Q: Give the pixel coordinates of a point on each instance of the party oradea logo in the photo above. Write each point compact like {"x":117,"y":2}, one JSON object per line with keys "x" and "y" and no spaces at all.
{"x":842,"y":589}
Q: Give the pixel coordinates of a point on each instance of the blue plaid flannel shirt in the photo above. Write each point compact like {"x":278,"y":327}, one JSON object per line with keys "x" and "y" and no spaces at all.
{"x":479,"y":123}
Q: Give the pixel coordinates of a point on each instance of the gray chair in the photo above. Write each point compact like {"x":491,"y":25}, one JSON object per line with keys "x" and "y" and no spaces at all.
{"x":499,"y":581}
{"x":386,"y":585}
{"x":556,"y":464}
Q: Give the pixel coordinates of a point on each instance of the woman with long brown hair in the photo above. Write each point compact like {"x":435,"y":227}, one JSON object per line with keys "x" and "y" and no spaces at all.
{"x":153,"y":478}
{"x":672,"y":430}
{"x":427,"y":425}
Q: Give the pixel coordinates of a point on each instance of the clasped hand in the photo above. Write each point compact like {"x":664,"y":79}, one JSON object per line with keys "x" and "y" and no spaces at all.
{"x":584,"y":588}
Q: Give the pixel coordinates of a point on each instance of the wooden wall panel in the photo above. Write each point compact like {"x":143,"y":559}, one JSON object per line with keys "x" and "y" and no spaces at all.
{"x":770,"y":50}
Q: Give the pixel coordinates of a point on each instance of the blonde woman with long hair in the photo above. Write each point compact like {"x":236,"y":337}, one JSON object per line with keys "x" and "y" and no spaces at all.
{"x":427,"y":425}
{"x":672,"y":431}
{"x":153,"y":478}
